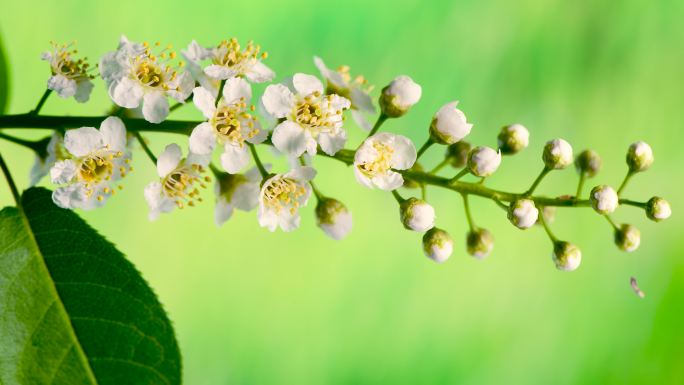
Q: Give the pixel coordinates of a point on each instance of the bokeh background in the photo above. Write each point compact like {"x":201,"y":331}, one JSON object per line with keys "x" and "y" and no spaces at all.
{"x":252,"y":307}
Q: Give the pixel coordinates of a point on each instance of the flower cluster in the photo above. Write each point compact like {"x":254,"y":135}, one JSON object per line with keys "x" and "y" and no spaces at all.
{"x":302,"y":116}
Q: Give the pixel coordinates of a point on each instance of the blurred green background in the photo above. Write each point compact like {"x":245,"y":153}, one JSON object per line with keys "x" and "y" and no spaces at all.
{"x":251,"y":307}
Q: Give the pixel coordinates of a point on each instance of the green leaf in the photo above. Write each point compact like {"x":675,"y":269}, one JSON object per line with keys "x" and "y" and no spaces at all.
{"x":4,"y":80}
{"x":73,"y":310}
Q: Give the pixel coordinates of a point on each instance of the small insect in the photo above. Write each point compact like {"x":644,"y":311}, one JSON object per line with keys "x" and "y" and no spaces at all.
{"x":635,"y":287}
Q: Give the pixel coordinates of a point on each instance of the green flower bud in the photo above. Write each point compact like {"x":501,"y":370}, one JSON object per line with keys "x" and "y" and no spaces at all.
{"x":639,"y":157}
{"x":513,"y":139}
{"x":557,"y":154}
{"x":627,"y":238}
{"x":458,"y":153}
{"x":437,"y":245}
{"x":588,"y":162}
{"x":479,"y":243}
{"x":417,"y":215}
{"x":523,"y":213}
{"x":658,"y":209}
{"x":449,"y":125}
{"x":333,"y":218}
{"x":566,"y":256}
{"x":483,"y":161}
{"x":399,"y":96}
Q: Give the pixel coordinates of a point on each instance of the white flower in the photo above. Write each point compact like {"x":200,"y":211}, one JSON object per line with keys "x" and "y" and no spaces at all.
{"x":627,"y":238}
{"x":69,"y":76}
{"x":228,"y":60}
{"x":55,"y":151}
{"x":566,"y":256}
{"x":311,"y":118}
{"x":417,"y":215}
{"x":437,"y":245}
{"x":449,"y":125}
{"x":96,"y":160}
{"x":523,"y":213}
{"x":135,"y":75}
{"x":281,"y":197}
{"x":399,"y":96}
{"x":604,"y":199}
{"x":658,"y":209}
{"x":230,"y":124}
{"x":378,"y":157}
{"x":236,"y":191}
{"x":483,"y":161}
{"x":341,"y":83}
{"x":639,"y":156}
{"x":557,"y":154}
{"x":333,"y":218}
{"x":178,"y":180}
{"x":513,"y":139}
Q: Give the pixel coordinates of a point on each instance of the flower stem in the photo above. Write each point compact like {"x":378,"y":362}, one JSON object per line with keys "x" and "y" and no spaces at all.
{"x":257,"y":161}
{"x":397,"y":196}
{"x":546,"y":226}
{"x":143,"y":144}
{"x":624,"y":182}
{"x":469,"y":217}
{"x":633,"y":203}
{"x":541,"y":176}
{"x":41,"y":102}
{"x":316,"y":192}
{"x":38,"y":146}
{"x":220,"y":92}
{"x":610,"y":220}
{"x":378,"y":123}
{"x":580,"y":184}
{"x":459,"y":175}
{"x":500,"y":204}
{"x":423,"y":191}
{"x":10,"y":181}
{"x":424,"y":148}
{"x":440,"y":166}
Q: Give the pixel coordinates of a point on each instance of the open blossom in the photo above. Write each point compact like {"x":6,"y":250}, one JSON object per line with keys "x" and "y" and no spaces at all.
{"x":69,"y":76}
{"x":236,"y":191}
{"x":311,"y":117}
{"x":449,"y":125}
{"x":178,"y":181}
{"x":379,"y":155}
{"x":281,"y":197}
{"x":228,"y":60}
{"x":135,"y":75}
{"x":55,"y":152}
{"x":230,"y":124}
{"x":341,"y":83}
{"x":96,"y":161}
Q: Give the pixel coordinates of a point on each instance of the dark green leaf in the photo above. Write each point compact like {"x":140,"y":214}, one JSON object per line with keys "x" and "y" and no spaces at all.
{"x":73,"y":310}
{"x":4,"y":80}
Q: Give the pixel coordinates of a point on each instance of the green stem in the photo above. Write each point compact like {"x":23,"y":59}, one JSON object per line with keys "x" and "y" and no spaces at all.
{"x":28,"y":121}
{"x":610,"y":220}
{"x":260,"y":166}
{"x":378,"y":123}
{"x":624,"y":182}
{"x":440,"y":166}
{"x":220,"y":92}
{"x":10,"y":182}
{"x":424,"y":148}
{"x":460,"y":175}
{"x":41,"y":102}
{"x":541,"y":176}
{"x":501,"y":204}
{"x":423,"y":192}
{"x":397,"y":196}
{"x":149,"y":152}
{"x":546,"y":226}
{"x":469,"y":217}
{"x":38,"y":146}
{"x":316,"y":192}
{"x":580,"y":184}
{"x":633,"y":203}
{"x":214,"y":170}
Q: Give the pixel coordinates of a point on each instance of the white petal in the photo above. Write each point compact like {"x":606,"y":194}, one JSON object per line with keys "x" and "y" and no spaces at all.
{"x":331,"y":144}
{"x":246,"y":196}
{"x":126,"y":93}
{"x":278,"y":100}
{"x":199,"y":159}
{"x":82,"y":141}
{"x":306,"y":84}
{"x":290,"y":138}
{"x":237,"y":89}
{"x":361,"y":120}
{"x":362,"y":178}
{"x":289,"y":222}
{"x":219,"y":72}
{"x":204,"y":101}
{"x":222,"y":212}
{"x":404,"y":155}
{"x":340,"y":228}
{"x":260,"y":136}
{"x":182,"y":87}
{"x":362,"y":100}
{"x":234,"y":158}
{"x":157,"y":202}
{"x":39,"y":169}
{"x":302,"y":174}
{"x":113,"y":133}
{"x":155,"y":107}
{"x":203,"y":139}
{"x":267,"y":218}
{"x":69,"y":197}
{"x":195,"y":52}
{"x":388,"y":181}
{"x":63,"y":86}
{"x":260,"y":73}
{"x":168,"y":160}
{"x":63,"y":171}
{"x":83,"y":90}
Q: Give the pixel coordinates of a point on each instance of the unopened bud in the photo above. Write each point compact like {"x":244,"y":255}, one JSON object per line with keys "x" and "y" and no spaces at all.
{"x":333,"y":218}
{"x":627,"y":238}
{"x":639,"y":157}
{"x":566,"y":256}
{"x":480,"y":243}
{"x":604,"y":199}
{"x":513,"y":139}
{"x":399,"y":96}
{"x":557,"y":154}
{"x":549,"y":214}
{"x":588,"y":162}
{"x":437,"y":245}
{"x":523,"y":213}
{"x":483,"y":161}
{"x":449,"y":125}
{"x":458,"y":153}
{"x":417,"y":215}
{"x":658,"y":209}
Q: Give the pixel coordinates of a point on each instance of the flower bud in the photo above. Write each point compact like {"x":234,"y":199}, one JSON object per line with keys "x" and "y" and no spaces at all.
{"x":458,"y":153}
{"x":549,"y":214}
{"x":588,"y":162}
{"x":398,"y":97}
{"x":479,"y":243}
{"x":627,"y":238}
{"x":333,"y":218}
{"x":483,"y":161}
{"x":639,"y":157}
{"x":417,"y":215}
{"x":557,"y":154}
{"x":513,"y":139}
{"x":437,"y":245}
{"x":523,"y":213}
{"x":604,"y":200}
{"x":449,"y":125}
{"x":658,"y":209}
{"x":566,"y":256}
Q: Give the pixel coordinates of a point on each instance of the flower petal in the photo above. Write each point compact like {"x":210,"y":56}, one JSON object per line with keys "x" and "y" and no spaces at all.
{"x":246,"y":196}
{"x":362,"y":100}
{"x":182,"y":87}
{"x":63,"y":171}
{"x":361,"y":120}
{"x":204,"y":101}
{"x":234,"y":158}
{"x":278,"y":100}
{"x":331,"y":144}
{"x":155,"y":107}
{"x":290,"y":138}
{"x":126,"y":93}
{"x":235,"y":90}
{"x":267,"y":218}
{"x":83,"y":90}
{"x":220,"y":72}
{"x":113,"y":133}
{"x":82,"y":141}
{"x":222,"y":211}
{"x":404,"y":155}
{"x":63,"y":86}
{"x":302,"y":174}
{"x":260,"y":73}
{"x":289,"y":222}
{"x":168,"y":160}
{"x":157,"y":201}
{"x":388,"y":181}
{"x":69,"y":197}
{"x":306,"y":84}
{"x":362,"y":178}
{"x":203,"y":139}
